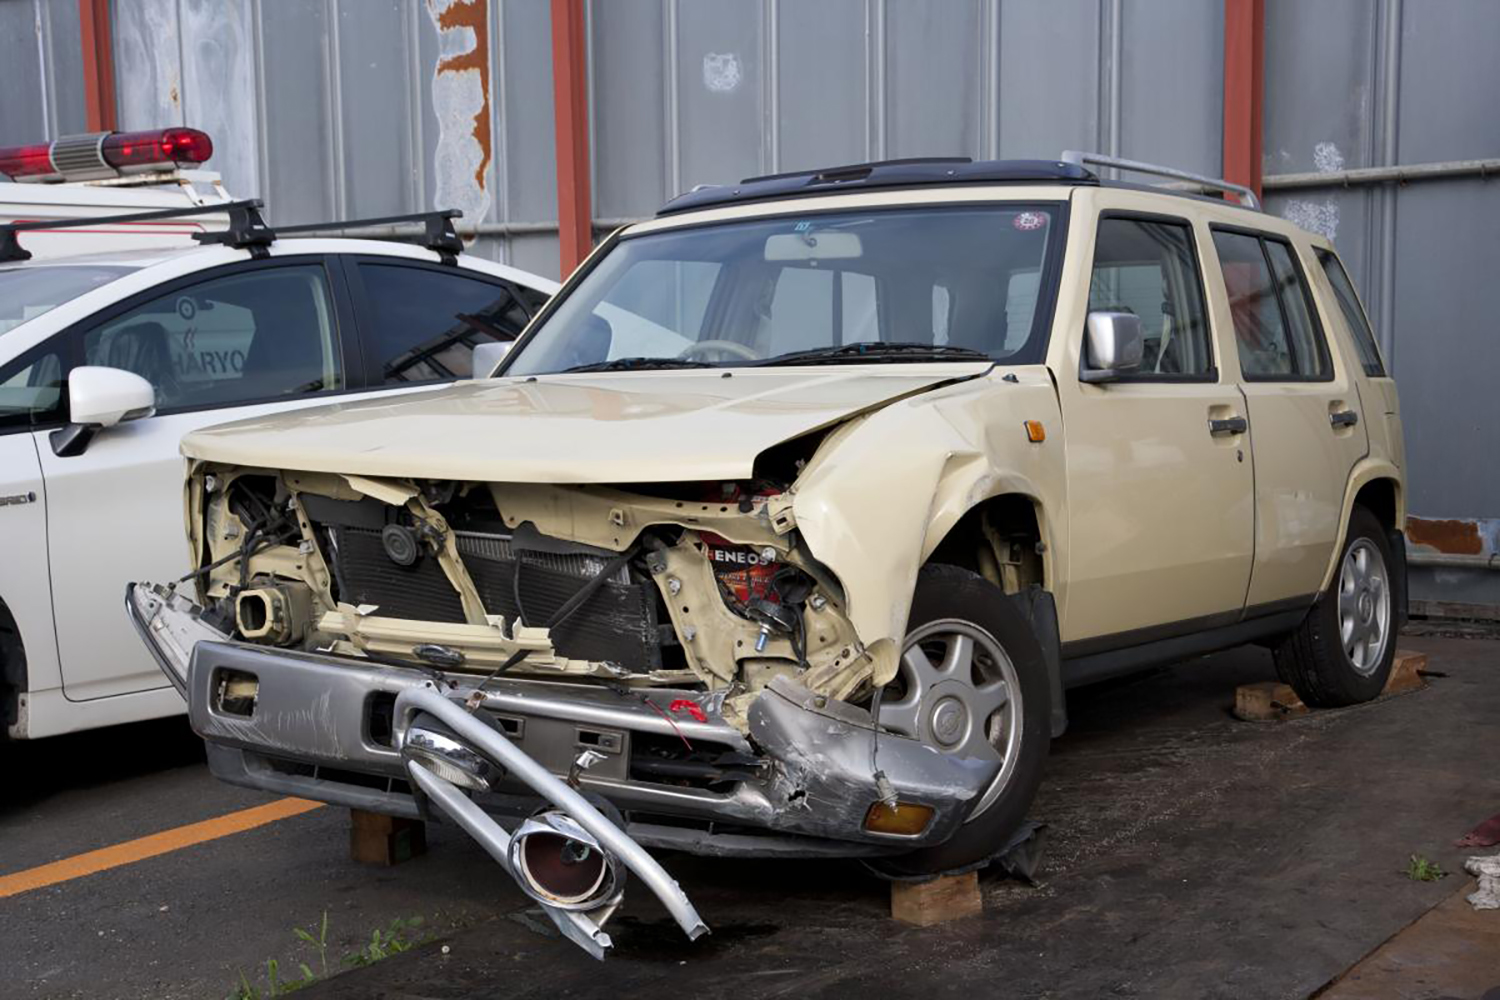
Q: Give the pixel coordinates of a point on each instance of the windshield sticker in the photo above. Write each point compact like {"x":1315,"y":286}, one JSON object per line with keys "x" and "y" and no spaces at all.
{"x":1027,"y":221}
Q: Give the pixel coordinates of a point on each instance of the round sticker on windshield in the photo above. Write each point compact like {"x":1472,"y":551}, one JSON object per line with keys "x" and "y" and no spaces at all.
{"x":1027,"y":221}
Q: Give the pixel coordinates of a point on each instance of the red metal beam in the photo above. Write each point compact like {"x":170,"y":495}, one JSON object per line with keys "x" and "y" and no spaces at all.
{"x":570,"y":109}
{"x":1244,"y":90}
{"x":98,"y":65}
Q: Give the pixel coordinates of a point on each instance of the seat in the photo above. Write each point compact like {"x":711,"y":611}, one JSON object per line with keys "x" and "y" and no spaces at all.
{"x":143,"y":348}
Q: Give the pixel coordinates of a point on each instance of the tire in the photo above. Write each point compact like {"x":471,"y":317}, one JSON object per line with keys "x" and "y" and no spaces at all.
{"x":12,"y":673}
{"x":1342,"y":652}
{"x":951,"y":602}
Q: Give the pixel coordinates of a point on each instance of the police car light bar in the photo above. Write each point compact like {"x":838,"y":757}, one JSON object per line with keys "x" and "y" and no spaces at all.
{"x":103,"y":155}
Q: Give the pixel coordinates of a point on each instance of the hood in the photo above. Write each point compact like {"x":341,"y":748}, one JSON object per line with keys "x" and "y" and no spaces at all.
{"x":684,"y":426}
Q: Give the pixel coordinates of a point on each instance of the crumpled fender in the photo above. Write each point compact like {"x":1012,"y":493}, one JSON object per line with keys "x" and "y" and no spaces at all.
{"x":883,"y":489}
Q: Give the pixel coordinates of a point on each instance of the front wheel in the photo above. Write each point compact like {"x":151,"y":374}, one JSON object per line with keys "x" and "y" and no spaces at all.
{"x":972,"y":683}
{"x":1342,"y":652}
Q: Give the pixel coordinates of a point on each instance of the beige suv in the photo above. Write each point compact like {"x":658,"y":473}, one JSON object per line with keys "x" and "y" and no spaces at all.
{"x":784,"y":527}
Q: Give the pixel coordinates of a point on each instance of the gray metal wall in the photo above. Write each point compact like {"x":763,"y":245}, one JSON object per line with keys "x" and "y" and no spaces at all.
{"x":342,"y":108}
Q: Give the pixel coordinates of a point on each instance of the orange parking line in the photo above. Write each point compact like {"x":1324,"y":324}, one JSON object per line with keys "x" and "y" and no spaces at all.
{"x":150,"y":846}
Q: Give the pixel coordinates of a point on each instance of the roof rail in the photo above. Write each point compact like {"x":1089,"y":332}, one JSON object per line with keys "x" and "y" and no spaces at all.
{"x":881,"y":175}
{"x":11,"y":251}
{"x":1246,"y":195}
{"x":247,"y":230}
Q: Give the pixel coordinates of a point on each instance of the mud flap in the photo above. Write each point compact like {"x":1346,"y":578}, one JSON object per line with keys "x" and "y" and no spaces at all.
{"x":583,"y":925}
{"x":1041,"y":611}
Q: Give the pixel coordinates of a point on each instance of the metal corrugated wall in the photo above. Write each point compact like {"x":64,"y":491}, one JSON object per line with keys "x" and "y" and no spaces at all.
{"x":341,"y":108}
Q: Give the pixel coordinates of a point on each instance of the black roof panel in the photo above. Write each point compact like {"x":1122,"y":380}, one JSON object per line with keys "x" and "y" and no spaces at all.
{"x":876,"y":176}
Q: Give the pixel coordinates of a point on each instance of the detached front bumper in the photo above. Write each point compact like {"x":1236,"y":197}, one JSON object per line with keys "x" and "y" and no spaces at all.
{"x":324,"y":727}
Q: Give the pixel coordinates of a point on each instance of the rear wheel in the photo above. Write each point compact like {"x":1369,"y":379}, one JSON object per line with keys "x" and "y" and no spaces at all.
{"x":972,"y":682}
{"x":1342,"y":652}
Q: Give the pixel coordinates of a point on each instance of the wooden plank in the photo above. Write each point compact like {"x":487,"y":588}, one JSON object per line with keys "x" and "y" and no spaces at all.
{"x":1267,"y":701}
{"x":1406,"y":673}
{"x":377,"y":839}
{"x":947,"y":897}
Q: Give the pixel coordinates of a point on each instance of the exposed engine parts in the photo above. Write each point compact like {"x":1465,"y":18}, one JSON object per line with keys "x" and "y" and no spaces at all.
{"x":588,"y":581}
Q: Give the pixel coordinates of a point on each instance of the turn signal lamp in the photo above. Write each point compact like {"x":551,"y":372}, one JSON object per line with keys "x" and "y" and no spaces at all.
{"x":906,"y":819}
{"x":102,"y":155}
{"x":1035,"y":432}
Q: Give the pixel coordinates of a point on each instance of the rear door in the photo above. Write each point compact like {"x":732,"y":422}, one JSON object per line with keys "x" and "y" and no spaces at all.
{"x":420,"y":322}
{"x":1160,"y":495}
{"x":235,"y":342}
{"x":1307,"y":426}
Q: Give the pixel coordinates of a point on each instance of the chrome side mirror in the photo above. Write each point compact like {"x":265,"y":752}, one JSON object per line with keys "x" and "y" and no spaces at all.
{"x":1112,"y":346}
{"x":100,"y":397}
{"x":487,"y":357}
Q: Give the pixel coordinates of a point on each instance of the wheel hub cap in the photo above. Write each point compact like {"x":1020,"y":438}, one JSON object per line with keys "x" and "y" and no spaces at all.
{"x":1364,"y":607}
{"x":958,"y":692}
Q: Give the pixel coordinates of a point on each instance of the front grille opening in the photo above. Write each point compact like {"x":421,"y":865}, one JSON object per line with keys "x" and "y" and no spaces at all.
{"x":339,"y":776}
{"x":380,"y":718}
{"x":664,"y":760}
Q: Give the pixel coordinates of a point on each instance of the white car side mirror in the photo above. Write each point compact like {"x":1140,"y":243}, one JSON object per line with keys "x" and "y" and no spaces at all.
{"x":98,"y":398}
{"x":1112,"y":346}
{"x":487,"y":357}
{"x":103,"y":397}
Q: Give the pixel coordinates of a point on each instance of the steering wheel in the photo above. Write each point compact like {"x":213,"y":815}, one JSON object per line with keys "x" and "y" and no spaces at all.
{"x":718,"y":346}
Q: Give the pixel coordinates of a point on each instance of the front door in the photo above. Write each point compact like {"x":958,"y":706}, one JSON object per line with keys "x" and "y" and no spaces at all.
{"x":1306,"y":422}
{"x":262,"y":337}
{"x":1160,"y":517}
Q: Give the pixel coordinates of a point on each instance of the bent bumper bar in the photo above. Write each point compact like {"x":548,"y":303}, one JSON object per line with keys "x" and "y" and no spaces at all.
{"x":811,"y":773}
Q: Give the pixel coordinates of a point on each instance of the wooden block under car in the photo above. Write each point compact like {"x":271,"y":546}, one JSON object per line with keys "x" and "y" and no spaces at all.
{"x":1406,"y":673}
{"x":1267,"y":701}
{"x":377,"y":839}
{"x":947,"y":897}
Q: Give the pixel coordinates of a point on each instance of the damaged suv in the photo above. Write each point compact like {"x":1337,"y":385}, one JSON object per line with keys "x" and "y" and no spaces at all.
{"x":784,"y":527}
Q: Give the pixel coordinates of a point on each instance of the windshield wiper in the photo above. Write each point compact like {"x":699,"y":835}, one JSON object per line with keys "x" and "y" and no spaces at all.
{"x":877,"y":351}
{"x":637,"y":364}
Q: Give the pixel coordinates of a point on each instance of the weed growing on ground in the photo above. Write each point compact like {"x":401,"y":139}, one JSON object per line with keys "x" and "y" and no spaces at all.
{"x":401,"y":935}
{"x":1419,"y":869}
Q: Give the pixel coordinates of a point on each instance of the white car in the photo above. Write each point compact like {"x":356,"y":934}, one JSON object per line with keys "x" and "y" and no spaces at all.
{"x":107,"y":360}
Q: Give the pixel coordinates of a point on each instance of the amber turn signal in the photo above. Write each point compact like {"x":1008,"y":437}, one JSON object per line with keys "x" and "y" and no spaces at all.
{"x":907,"y":819}
{"x":1035,"y":432}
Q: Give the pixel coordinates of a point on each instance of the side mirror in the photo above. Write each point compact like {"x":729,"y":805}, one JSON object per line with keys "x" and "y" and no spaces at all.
{"x":487,"y":357}
{"x":98,"y":398}
{"x":1112,"y":346}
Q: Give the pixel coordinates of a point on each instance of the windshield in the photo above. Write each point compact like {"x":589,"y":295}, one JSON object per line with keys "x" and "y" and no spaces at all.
{"x":28,"y":292}
{"x":927,"y":284}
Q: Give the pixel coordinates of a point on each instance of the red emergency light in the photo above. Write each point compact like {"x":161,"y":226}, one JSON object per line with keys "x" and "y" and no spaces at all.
{"x":103,"y":155}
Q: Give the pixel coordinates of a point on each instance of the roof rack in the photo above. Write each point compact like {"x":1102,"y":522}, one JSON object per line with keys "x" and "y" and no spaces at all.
{"x":880,"y":175}
{"x":12,"y":251}
{"x":1246,"y":195}
{"x":247,"y":230}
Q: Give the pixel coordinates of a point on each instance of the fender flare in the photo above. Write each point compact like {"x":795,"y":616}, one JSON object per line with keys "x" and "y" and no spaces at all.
{"x":1367,"y":470}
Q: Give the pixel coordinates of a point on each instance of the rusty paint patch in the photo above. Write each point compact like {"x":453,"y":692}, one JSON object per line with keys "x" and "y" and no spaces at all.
{"x":475,"y":16}
{"x":1453,"y":536}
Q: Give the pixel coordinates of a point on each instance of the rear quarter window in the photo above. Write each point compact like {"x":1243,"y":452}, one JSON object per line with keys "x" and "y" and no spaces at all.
{"x":1354,"y":314}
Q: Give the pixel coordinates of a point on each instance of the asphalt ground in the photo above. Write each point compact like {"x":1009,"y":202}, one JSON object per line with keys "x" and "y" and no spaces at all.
{"x":1188,"y":855}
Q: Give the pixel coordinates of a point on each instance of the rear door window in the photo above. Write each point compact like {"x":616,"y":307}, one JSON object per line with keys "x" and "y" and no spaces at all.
{"x":1275,"y":328}
{"x":1354,"y":314}
{"x":421,"y":324}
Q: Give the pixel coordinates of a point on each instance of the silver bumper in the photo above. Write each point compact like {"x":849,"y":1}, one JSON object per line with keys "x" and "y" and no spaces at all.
{"x":808,"y":794}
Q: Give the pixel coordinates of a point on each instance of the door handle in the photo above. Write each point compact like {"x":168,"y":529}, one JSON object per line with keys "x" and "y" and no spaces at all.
{"x":1228,"y":425}
{"x":1343,"y":418}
